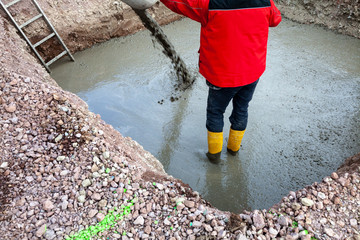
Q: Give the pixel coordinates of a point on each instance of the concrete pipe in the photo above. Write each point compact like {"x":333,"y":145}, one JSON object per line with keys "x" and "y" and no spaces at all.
{"x":140,"y":4}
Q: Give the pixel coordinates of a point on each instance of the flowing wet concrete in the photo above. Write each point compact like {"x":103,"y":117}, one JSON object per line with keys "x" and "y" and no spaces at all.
{"x":303,"y":120}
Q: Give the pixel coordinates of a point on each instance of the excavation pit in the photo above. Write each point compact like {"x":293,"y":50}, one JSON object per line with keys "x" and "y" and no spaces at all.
{"x":303,"y":118}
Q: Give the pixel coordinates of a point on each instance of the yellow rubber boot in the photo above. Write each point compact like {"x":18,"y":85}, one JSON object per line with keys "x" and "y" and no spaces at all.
{"x":215,"y":142}
{"x":235,"y":138}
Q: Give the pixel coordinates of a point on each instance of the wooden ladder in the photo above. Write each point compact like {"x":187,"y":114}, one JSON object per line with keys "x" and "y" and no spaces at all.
{"x":33,"y":46}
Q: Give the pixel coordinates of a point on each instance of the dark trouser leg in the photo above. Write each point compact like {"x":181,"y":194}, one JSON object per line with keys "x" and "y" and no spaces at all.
{"x":217,"y":102}
{"x":239,"y":115}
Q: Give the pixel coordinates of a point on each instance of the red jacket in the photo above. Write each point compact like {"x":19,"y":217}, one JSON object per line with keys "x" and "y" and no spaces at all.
{"x":233,"y":39}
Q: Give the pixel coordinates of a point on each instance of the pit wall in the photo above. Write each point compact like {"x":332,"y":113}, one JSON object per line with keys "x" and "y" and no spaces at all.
{"x":82,"y":24}
{"x":17,"y":61}
{"x":342,"y":16}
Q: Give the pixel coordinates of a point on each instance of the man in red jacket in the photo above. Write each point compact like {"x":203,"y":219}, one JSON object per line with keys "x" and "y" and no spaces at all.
{"x":233,"y":45}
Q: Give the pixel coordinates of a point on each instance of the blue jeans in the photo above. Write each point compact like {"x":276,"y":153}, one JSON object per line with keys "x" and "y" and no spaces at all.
{"x":218,"y":100}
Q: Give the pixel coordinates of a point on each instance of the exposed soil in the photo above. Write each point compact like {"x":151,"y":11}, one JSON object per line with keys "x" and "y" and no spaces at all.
{"x":351,"y":165}
{"x":62,"y":167}
{"x":342,"y":16}
{"x":82,"y":23}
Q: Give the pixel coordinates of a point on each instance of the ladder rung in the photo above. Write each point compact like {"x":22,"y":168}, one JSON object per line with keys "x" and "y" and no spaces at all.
{"x":31,"y":20}
{"x":44,"y":40}
{"x":12,"y":3}
{"x":56,"y":58}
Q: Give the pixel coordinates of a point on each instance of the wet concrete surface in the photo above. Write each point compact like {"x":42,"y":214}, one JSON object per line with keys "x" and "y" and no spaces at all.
{"x":303,"y":120}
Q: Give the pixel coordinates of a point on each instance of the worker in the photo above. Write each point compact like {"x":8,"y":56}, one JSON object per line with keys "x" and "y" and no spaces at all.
{"x":233,"y":46}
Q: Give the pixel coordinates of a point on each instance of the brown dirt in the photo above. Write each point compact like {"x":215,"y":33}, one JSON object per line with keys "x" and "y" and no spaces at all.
{"x":351,"y":165}
{"x":342,"y":16}
{"x":82,"y":24}
{"x":5,"y":196}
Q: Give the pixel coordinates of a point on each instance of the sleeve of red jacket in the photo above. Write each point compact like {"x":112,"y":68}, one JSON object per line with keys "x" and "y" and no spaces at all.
{"x":275,"y":16}
{"x":194,"y":9}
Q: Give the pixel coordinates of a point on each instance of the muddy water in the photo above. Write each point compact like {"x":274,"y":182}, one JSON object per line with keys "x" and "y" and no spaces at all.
{"x":303,"y":120}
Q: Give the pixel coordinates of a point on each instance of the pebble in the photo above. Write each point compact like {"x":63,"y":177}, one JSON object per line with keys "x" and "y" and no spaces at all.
{"x":40,"y":231}
{"x":94,"y":168}
{"x":96,"y":196}
{"x":296,"y":206}
{"x":334,"y":175}
{"x":48,"y":205}
{"x":241,"y":237}
{"x":353,"y":222}
{"x":147,"y":229}
{"x":196,"y":224}
{"x":64,"y":205}
{"x":100,"y":217}
{"x":50,"y":234}
{"x":60,"y":158}
{"x":4,"y":165}
{"x":258,"y":220}
{"x":96,"y":160}
{"x":14,"y":120}
{"x":167,"y":222}
{"x":207,"y":228}
{"x":96,"y":175}
{"x":106,"y":155}
{"x":10,"y":108}
{"x":86,"y":183}
{"x":160,"y":186}
{"x":103,"y":203}
{"x":273,"y":232}
{"x":139,"y":220}
{"x":306,"y":237}
{"x":283,"y":221}
{"x":319,"y":205}
{"x":341,"y":223}
{"x":40,"y":223}
{"x":337,"y":201}
{"x":92,"y":213}
{"x":329,"y":232}
{"x":64,"y":173}
{"x":34,"y":203}
{"x":179,"y":200}
{"x":343,"y":181}
{"x":30,"y":213}
{"x":222,"y":234}
{"x":58,"y":138}
{"x":307,"y":202}
{"x":81,"y":198}
{"x":180,"y":207}
{"x":321,"y":195}
{"x":189,"y":204}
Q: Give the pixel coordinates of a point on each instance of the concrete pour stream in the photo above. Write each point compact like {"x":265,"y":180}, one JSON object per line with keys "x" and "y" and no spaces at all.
{"x":303,"y":120}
